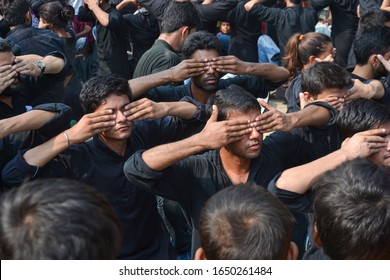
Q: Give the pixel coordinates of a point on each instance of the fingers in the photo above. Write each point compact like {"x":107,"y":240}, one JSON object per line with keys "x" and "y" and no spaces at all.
{"x":214,"y":115}
{"x":265,"y":105}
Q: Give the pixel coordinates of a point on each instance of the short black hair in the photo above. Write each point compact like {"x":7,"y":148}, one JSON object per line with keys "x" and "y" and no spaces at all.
{"x":245,"y":222}
{"x":373,"y":17}
{"x":352,"y":211}
{"x":200,"y":40}
{"x":15,"y":11}
{"x":374,"y":40}
{"x":96,"y":90}
{"x":325,"y":75}
{"x":231,"y":99}
{"x":179,"y":14}
{"x":5,"y":45}
{"x":359,"y":115}
{"x":57,"y":219}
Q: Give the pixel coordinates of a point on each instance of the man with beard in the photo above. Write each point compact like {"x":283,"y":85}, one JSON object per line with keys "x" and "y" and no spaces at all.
{"x":20,"y":128}
{"x":367,"y":46}
{"x":240,"y":155}
{"x":204,"y":46}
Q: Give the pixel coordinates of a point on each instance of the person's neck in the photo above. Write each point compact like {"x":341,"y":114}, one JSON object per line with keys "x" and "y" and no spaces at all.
{"x":172,"y":40}
{"x":118,"y":146}
{"x":7,"y":100}
{"x":236,"y":168}
{"x":364,"y":71}
{"x":200,"y":95}
{"x":61,"y":32}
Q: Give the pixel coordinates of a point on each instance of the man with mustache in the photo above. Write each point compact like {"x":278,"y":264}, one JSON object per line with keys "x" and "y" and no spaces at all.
{"x":174,"y":171}
{"x":367,"y":46}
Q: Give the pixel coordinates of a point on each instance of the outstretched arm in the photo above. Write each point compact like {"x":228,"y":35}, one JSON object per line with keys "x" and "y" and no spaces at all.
{"x":31,"y":120}
{"x":214,"y":135}
{"x":231,"y":64}
{"x":298,"y":179}
{"x":88,"y":126}
{"x":184,"y":70}
{"x":101,"y":15}
{"x":147,"y":109}
{"x":26,"y":65}
{"x":277,"y":120}
{"x":372,"y":90}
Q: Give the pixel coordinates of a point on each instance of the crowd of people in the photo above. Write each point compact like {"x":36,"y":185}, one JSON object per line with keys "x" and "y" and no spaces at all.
{"x":135,"y":129}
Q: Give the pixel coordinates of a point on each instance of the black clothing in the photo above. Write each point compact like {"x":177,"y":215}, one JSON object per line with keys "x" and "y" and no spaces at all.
{"x":245,"y":30}
{"x":193,"y":180}
{"x":144,"y":30}
{"x":300,"y":204}
{"x":258,"y":86}
{"x":112,"y":42}
{"x":208,"y":14}
{"x":47,"y":88}
{"x":287,"y":21}
{"x":95,"y":164}
{"x":10,"y":145}
{"x":344,"y":25}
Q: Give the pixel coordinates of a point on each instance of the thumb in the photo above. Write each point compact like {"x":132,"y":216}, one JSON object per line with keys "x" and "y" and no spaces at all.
{"x":265,"y":105}
{"x":214,"y":114}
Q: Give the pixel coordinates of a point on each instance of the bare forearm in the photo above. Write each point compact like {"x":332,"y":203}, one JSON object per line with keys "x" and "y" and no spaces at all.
{"x":308,"y":172}
{"x":101,"y":15}
{"x":183,"y":110}
{"x":31,"y":120}
{"x":42,"y":154}
{"x":377,"y":89}
{"x":310,"y":116}
{"x":142,"y":84}
{"x":248,"y":6}
{"x":268,"y":71}
{"x":161,"y":157}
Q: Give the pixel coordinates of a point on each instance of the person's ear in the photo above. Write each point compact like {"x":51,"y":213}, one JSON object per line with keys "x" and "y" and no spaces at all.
{"x":292,"y":251}
{"x":308,"y":97}
{"x":374,"y":61}
{"x":200,"y":254}
{"x":313,"y":59}
{"x":28,"y":18}
{"x":317,"y":240}
{"x":185,"y":31}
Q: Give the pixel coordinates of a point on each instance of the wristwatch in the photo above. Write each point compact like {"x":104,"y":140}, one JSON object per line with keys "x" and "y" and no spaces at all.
{"x":40,"y":65}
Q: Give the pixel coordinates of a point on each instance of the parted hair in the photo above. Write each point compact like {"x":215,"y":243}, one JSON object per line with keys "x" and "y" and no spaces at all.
{"x":245,"y":222}
{"x":57,"y":219}
{"x":352,"y":211}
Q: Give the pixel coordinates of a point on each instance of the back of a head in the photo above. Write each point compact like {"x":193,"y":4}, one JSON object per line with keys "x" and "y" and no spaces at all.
{"x":245,"y":222}
{"x":55,"y":13}
{"x":231,"y":99}
{"x":300,"y":47}
{"x":200,"y":40}
{"x":325,"y":75}
{"x":359,"y":115}
{"x":15,"y":11}
{"x":352,"y":211}
{"x":57,"y":219}
{"x":373,"y":17}
{"x":374,"y":40}
{"x":99,"y":88}
{"x":179,"y":14}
